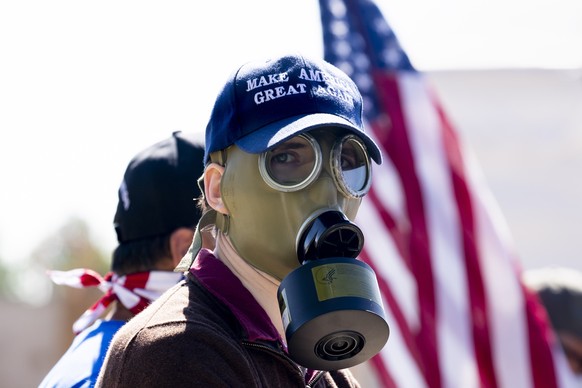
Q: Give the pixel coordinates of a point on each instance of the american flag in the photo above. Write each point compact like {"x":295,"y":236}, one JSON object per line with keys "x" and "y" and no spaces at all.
{"x":448,"y":272}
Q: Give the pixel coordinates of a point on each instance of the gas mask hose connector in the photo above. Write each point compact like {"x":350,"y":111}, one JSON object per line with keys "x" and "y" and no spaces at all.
{"x":331,"y":234}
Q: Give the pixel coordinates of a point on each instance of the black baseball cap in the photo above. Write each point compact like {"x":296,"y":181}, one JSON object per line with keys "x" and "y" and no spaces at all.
{"x":159,"y":189}
{"x":560,"y":291}
{"x":264,"y":103}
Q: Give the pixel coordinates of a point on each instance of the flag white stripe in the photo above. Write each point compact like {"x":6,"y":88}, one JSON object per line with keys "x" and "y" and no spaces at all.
{"x":402,"y":366}
{"x":509,"y":330}
{"x":389,"y":191}
{"x":388,"y":264}
{"x":454,"y":339}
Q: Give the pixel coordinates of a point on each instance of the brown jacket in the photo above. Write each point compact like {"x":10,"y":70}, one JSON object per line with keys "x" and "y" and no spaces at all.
{"x":207,"y":331}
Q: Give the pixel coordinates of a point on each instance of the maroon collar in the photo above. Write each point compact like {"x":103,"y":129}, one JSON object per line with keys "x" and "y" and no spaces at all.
{"x":224,"y":285}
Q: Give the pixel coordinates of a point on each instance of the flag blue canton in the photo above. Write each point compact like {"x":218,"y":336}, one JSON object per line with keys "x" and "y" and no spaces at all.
{"x":360,"y":49}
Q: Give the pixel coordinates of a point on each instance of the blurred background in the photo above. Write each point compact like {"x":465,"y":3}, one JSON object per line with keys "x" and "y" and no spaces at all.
{"x":84,"y":86}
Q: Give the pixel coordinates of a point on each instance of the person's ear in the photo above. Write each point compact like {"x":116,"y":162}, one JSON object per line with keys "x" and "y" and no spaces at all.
{"x":180,"y":241}
{"x":212,"y":176}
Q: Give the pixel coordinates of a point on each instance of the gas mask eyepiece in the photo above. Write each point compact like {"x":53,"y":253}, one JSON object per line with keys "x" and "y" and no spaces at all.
{"x":296,"y":163}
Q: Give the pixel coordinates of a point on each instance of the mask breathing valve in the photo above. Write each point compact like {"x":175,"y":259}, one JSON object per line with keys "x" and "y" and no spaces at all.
{"x":331,"y":234}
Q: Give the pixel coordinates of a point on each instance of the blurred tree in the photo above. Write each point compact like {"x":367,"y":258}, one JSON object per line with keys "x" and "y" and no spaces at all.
{"x":37,"y":316}
{"x":4,"y":273}
{"x":70,"y":247}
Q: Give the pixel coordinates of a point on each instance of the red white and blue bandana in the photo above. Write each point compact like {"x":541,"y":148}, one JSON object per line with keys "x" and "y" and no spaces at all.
{"x":134,"y":291}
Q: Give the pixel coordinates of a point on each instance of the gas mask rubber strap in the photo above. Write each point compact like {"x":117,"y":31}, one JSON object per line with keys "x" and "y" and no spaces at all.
{"x":208,"y":218}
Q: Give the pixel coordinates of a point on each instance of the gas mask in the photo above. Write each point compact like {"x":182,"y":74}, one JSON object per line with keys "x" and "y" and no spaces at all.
{"x":290,"y":214}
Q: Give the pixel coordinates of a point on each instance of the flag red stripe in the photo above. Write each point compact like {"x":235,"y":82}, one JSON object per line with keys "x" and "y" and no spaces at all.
{"x":478,"y":308}
{"x":383,"y":374}
{"x":394,"y":307}
{"x":397,"y":146}
{"x":540,"y":337}
{"x":398,"y":236}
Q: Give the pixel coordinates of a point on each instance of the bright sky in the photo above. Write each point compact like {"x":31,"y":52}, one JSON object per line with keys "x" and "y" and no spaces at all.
{"x":85,"y":85}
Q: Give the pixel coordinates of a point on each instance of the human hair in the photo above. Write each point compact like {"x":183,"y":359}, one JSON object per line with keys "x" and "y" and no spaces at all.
{"x":140,"y":255}
{"x":202,"y":204}
{"x":560,"y":291}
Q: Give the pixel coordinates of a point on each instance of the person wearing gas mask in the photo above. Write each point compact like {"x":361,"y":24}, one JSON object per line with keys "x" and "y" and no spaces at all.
{"x":281,"y":301}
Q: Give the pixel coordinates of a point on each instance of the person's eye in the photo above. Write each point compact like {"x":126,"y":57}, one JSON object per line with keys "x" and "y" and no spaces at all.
{"x":349,"y":162}
{"x":284,"y":158}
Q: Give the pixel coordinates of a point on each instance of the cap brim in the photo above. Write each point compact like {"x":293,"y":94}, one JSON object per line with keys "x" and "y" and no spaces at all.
{"x":271,"y":135}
